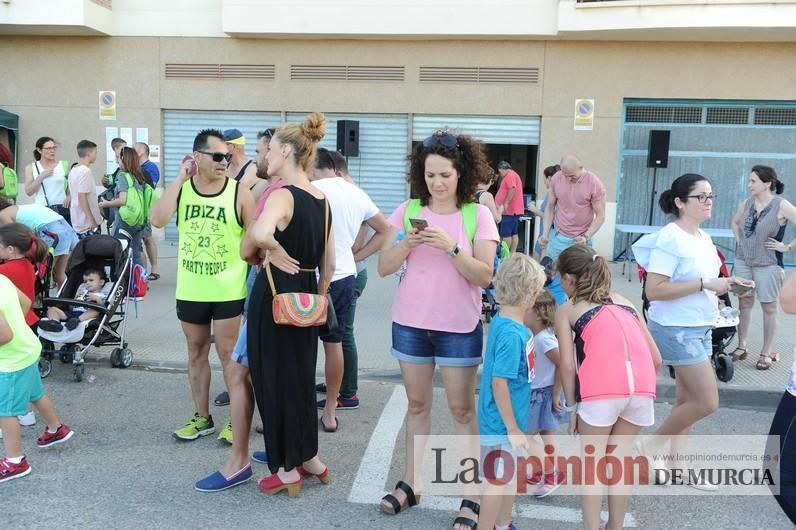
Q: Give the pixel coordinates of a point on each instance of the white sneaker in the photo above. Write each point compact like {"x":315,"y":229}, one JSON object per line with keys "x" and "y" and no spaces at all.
{"x":703,"y":485}
{"x":26,"y":420}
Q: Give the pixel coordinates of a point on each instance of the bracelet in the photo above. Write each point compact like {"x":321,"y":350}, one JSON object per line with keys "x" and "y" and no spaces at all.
{"x":701,"y":285}
{"x":569,"y":408}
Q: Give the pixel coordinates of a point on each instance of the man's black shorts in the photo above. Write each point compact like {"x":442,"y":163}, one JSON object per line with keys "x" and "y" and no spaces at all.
{"x":202,"y":313}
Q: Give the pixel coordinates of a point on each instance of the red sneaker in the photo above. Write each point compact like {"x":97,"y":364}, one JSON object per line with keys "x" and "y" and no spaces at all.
{"x":534,"y":479}
{"x":10,"y":471}
{"x":62,"y":434}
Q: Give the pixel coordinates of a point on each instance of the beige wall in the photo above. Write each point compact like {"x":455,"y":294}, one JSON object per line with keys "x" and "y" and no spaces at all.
{"x":59,"y":96}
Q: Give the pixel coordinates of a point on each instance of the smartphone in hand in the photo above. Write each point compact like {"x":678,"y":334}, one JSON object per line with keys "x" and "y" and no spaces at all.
{"x":740,"y":288}
{"x":192,"y":168}
{"x":418,"y":223}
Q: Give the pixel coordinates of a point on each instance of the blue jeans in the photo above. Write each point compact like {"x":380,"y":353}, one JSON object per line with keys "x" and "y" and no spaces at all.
{"x":350,"y":383}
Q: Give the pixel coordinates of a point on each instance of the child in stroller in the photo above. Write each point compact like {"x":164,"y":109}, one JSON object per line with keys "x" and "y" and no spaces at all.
{"x":108,"y":255}
{"x":93,"y":289}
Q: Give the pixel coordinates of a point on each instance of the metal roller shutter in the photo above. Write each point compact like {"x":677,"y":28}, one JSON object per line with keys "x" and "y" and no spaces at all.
{"x":380,"y":169}
{"x":513,"y":130}
{"x":181,"y":126}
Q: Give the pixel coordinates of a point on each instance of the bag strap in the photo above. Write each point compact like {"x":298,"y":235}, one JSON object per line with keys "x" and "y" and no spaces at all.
{"x":325,"y":286}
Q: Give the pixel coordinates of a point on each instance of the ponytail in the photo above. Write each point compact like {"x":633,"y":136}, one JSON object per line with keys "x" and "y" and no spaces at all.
{"x":22,"y":238}
{"x":591,"y":273}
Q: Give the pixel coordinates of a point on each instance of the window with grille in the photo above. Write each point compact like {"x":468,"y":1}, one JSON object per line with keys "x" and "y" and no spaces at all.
{"x":727,"y":115}
{"x":663,"y":114}
{"x":775,"y":116}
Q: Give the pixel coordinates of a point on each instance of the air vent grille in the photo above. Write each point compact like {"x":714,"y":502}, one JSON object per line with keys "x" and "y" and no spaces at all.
{"x":663,"y":114}
{"x":303,"y":72}
{"x":220,"y":71}
{"x":775,"y":116}
{"x":478,"y":74}
{"x":727,"y":115}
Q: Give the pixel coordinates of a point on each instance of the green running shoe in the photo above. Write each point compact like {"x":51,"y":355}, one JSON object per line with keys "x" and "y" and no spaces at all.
{"x":226,"y":432}
{"x":197,"y":426}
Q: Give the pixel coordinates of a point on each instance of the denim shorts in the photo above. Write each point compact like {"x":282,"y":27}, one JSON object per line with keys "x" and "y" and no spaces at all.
{"x":682,"y":346}
{"x":240,"y":354}
{"x":341,"y":293}
{"x":67,"y":237}
{"x":422,"y":346}
{"x":19,"y":388}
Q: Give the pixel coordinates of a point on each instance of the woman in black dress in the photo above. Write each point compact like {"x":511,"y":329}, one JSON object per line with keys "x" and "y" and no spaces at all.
{"x":289,"y":238}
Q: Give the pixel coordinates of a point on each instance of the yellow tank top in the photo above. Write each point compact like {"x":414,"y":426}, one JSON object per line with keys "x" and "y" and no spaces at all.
{"x":209,"y":267}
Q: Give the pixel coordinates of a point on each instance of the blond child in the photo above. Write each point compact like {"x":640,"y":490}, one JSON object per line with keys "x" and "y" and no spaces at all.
{"x":505,"y":395}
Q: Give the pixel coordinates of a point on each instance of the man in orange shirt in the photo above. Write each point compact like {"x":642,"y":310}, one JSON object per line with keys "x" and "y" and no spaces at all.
{"x":510,"y":199}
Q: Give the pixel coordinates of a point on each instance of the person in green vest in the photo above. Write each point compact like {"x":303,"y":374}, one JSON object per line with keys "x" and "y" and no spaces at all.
{"x":213,"y":213}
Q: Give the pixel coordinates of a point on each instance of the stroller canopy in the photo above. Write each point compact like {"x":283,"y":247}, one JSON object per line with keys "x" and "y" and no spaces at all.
{"x":95,"y":250}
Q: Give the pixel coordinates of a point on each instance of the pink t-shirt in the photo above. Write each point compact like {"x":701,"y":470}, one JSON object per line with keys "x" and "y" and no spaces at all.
{"x":264,"y":197}
{"x":574,"y":211}
{"x":82,"y":181}
{"x":516,"y":205}
{"x":432,"y":294}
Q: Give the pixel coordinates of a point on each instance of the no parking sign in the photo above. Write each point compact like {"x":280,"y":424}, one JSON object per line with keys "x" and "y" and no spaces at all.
{"x":107,"y":105}
{"x":584,"y":114}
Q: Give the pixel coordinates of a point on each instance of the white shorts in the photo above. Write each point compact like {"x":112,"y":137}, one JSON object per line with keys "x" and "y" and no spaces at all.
{"x":638,"y":410}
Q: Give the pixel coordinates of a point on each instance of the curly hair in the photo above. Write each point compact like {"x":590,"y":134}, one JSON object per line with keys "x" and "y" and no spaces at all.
{"x":469,"y":160}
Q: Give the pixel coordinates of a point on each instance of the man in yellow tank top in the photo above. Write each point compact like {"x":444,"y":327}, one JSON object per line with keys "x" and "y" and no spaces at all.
{"x":212,"y":215}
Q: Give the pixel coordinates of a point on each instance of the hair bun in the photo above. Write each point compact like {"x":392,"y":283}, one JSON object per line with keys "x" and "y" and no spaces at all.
{"x":314,"y":127}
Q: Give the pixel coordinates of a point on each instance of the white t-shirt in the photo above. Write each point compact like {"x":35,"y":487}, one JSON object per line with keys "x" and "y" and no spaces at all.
{"x":543,"y":342}
{"x":51,"y":192}
{"x":681,"y":256}
{"x":350,"y":208}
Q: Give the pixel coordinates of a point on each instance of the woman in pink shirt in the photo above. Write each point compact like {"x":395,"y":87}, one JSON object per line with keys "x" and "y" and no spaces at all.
{"x":437,"y":308}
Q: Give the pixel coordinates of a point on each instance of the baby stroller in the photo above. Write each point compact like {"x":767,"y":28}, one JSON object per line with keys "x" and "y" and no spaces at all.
{"x":41,"y":289}
{"x":724,"y":329}
{"x":103,"y":253}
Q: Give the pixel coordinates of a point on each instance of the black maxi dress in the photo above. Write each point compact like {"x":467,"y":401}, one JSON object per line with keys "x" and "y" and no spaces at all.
{"x":282,"y":359}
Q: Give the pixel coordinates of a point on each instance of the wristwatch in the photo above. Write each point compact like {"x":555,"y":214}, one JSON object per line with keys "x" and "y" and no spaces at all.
{"x":454,"y":251}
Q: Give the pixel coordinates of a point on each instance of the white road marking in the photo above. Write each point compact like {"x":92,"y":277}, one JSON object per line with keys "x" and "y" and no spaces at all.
{"x":374,"y":470}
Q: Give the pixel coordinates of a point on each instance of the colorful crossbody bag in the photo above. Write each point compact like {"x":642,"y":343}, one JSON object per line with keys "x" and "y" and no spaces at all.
{"x":302,"y":309}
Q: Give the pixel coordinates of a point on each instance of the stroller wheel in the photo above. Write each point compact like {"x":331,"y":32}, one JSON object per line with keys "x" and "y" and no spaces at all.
{"x":66,"y":357}
{"x":116,"y":360}
{"x":126,"y":358}
{"x":79,"y":368}
{"x":724,"y":367}
{"x":45,"y":367}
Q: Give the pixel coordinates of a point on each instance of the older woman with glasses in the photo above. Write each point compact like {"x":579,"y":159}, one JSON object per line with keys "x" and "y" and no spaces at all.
{"x":46,"y":177}
{"x":449,"y":246}
{"x":759,"y":226}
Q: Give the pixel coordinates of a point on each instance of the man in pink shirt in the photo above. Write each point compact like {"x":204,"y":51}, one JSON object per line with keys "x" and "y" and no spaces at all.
{"x":84,"y":208}
{"x":510,"y":199}
{"x":576,"y":201}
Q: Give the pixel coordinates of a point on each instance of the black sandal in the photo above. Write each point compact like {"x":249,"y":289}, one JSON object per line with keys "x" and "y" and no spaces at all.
{"x":411,"y":499}
{"x":466,"y":521}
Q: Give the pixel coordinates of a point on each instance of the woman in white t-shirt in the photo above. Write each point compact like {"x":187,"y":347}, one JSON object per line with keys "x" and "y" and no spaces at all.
{"x":46,"y":177}
{"x":682,"y":285}
{"x":437,"y":308}
{"x":784,"y":424}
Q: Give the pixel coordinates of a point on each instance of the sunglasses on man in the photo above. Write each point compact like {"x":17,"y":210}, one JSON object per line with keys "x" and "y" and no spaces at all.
{"x":218,"y":157}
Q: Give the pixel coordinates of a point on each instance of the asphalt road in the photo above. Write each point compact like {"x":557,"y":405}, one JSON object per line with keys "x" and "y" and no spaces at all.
{"x":123,"y":469}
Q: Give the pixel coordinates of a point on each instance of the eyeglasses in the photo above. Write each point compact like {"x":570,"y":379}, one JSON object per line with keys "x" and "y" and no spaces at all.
{"x":703,"y":197}
{"x":442,"y":138}
{"x":49,"y":148}
{"x":218,"y":157}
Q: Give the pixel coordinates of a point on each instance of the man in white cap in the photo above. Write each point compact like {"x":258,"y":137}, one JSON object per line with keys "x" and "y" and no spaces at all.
{"x":240,"y":168}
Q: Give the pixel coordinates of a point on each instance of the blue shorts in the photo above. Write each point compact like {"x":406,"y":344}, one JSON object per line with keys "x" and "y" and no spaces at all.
{"x":558,"y":243}
{"x":509,"y":225}
{"x":18,"y":389}
{"x":240,"y":354}
{"x":250,"y":277}
{"x":542,"y":417}
{"x":682,"y":346}
{"x":421,"y":346}
{"x":67,"y":237}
